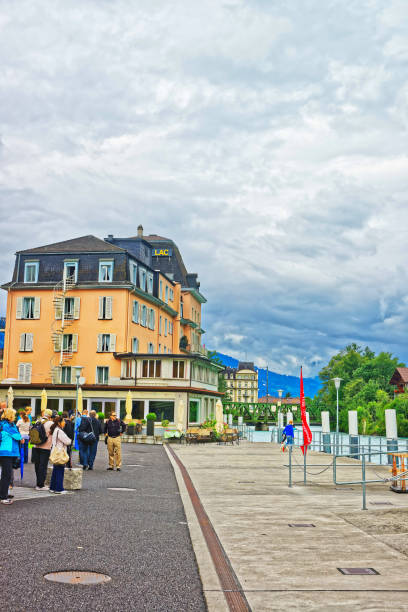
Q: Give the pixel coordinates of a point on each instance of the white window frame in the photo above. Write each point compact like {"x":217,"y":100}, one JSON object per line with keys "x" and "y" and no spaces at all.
{"x":150,"y":348}
{"x":25,"y":372}
{"x":105,"y":307}
{"x":142,"y":278}
{"x":150,"y":283}
{"x":161,"y":290}
{"x":66,"y":369}
{"x":74,"y":263}
{"x":133,"y":272}
{"x":135,"y":345}
{"x":105,"y":369}
{"x":26,"y":343}
{"x":127,"y":364}
{"x":108,"y":263}
{"x":165,"y":327}
{"x":143,"y":318}
{"x":136,"y":312}
{"x":151,"y":319}
{"x":166,"y":294}
{"x":30,"y":264}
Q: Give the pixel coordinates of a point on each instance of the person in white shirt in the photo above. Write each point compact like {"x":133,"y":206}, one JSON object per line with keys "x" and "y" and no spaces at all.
{"x":59,"y":440}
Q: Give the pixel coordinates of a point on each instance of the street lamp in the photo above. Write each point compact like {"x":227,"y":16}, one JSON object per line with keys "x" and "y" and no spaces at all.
{"x":78,"y":369}
{"x":337,"y":382}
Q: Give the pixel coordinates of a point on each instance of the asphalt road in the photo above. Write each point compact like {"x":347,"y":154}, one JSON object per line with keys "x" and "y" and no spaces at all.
{"x":140,"y":538}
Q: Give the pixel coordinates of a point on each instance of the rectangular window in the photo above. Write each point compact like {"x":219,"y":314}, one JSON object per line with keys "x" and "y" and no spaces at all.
{"x":127,"y":368}
{"x":161,"y":290}
{"x":163,"y":410}
{"x":106,"y":343}
{"x":150,"y":348}
{"x":151,"y":368}
{"x":142,"y":278}
{"x":160,"y":348}
{"x":144,"y":316}
{"x":135,"y":311}
{"x":133,"y":272}
{"x":151,"y":318}
{"x":105,"y":307}
{"x":102,"y":375}
{"x":70,"y":271}
{"x":31,"y":271}
{"x":105,"y":271}
{"x":69,"y":308}
{"x":165,"y":327}
{"x":194,"y":415}
{"x":26,"y":342}
{"x":170,"y":328}
{"x":178,"y":369}
{"x":135,"y":345}
{"x":166,"y":294}
{"x":28,"y":308}
{"x":171,"y":295}
{"x":160,"y":325}
{"x":24,"y":372}
{"x":67,"y":343}
{"x":66,"y":375}
{"x":150,"y":282}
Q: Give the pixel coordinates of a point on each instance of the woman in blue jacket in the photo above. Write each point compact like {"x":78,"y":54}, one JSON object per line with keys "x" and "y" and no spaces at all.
{"x":9,"y":449}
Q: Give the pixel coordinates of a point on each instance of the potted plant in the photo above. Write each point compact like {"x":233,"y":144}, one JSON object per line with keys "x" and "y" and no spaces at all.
{"x":130,"y":429}
{"x":165,"y":423}
{"x":150,"y":418}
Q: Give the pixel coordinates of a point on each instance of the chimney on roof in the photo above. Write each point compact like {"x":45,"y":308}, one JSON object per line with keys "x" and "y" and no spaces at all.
{"x":140,"y":231}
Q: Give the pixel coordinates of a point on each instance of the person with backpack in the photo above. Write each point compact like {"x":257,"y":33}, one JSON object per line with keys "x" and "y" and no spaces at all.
{"x":9,"y":450}
{"x":23,"y":426}
{"x":97,"y":429}
{"x":86,"y":436}
{"x":41,"y":437}
{"x":60,"y":442}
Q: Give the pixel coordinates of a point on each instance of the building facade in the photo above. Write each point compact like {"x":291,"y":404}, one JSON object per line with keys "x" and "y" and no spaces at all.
{"x":111,"y":310}
{"x":242,"y":383}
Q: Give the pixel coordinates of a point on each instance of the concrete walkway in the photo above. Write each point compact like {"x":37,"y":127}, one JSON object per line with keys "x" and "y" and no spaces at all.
{"x":244,"y":490}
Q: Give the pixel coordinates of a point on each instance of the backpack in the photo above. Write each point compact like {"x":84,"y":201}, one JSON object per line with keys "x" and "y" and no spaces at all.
{"x":37,"y":433}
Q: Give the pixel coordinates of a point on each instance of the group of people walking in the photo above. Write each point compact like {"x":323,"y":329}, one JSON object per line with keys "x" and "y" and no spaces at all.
{"x":52,"y":437}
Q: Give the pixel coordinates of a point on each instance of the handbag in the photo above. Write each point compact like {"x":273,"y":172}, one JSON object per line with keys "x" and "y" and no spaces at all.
{"x":87,"y":437}
{"x":16,"y":463}
{"x":58,"y":456}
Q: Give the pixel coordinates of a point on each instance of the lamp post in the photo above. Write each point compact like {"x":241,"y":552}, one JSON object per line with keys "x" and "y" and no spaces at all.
{"x":280,"y":391}
{"x":78,"y":370}
{"x":337,"y":382}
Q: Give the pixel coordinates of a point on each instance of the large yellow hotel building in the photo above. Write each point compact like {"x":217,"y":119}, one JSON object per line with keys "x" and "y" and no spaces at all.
{"x":126,"y":310}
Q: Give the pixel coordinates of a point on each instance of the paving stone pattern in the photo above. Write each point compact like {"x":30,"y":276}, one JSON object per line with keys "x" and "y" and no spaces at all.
{"x":138,"y":537}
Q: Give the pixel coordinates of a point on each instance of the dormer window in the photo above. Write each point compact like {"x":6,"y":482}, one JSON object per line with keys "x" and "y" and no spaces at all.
{"x":71,"y":271}
{"x":31,"y":271}
{"x":142,"y":279}
{"x":105,"y":271}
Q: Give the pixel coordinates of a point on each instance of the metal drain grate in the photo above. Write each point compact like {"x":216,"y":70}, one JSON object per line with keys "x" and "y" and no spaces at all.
{"x":80,"y":577}
{"x":358,"y":571}
{"x":301,"y":525}
{"x":381,"y":503}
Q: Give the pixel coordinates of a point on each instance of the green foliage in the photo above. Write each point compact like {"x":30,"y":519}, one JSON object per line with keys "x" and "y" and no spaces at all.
{"x":364,"y":387}
{"x":165,"y":423}
{"x":151,"y":416}
{"x":101,"y":416}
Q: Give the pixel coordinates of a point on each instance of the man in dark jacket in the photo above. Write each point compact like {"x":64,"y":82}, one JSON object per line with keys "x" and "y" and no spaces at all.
{"x":85,"y":427}
{"x":113,"y":432}
{"x":97,"y":429}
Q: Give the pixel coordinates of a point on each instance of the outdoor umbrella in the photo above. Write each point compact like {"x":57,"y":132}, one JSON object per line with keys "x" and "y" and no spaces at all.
{"x":128,"y":407}
{"x":219,"y":417}
{"x":43,"y":400}
{"x":10,"y":397}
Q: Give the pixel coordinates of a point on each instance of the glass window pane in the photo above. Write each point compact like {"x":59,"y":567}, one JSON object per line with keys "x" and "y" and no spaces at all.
{"x":181,"y":369}
{"x":144,"y":368}
{"x":163,"y":410}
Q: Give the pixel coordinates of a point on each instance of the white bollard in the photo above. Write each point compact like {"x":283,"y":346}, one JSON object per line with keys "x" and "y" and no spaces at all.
{"x":391,"y":424}
{"x":353,"y":423}
{"x":325,"y":422}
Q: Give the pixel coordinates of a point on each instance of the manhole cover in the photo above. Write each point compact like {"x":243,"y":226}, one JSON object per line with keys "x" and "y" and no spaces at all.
{"x":79,"y":577}
{"x":120,"y":489}
{"x":301,"y":525}
{"x":358,"y":571}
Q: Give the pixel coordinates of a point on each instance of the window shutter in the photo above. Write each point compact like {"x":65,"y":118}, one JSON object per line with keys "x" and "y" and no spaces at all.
{"x":29,"y":342}
{"x":112,"y":343}
{"x":58,"y":308}
{"x":99,"y":345}
{"x":56,"y":376}
{"x":152,"y":318}
{"x":19,"y":310}
{"x":27,"y":373}
{"x":77,"y":306}
{"x":21,"y":370}
{"x":36,"y":308}
{"x":108,"y":308}
{"x":135,"y":311}
{"x":100,"y":316}
{"x":22,"y":342}
{"x":57,"y":342}
{"x":74,"y":343}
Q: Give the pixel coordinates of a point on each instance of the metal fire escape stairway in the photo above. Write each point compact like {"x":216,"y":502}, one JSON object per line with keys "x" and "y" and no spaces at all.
{"x":63,"y":320}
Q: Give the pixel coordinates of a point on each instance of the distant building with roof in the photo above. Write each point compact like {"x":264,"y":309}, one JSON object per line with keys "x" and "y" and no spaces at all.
{"x":126,"y":310}
{"x":399,"y":380}
{"x":242,"y":382}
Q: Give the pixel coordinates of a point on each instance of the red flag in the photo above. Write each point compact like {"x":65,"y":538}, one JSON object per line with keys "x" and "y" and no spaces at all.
{"x":307,"y":434}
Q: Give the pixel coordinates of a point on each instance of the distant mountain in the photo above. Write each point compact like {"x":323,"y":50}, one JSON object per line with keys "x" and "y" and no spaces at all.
{"x":277,"y":381}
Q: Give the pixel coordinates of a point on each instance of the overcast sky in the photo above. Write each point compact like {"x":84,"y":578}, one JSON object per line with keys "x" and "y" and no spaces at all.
{"x":267,"y":138}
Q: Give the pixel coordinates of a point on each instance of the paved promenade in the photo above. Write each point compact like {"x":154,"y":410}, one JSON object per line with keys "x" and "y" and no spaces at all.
{"x":244,"y":490}
{"x":139,"y":537}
